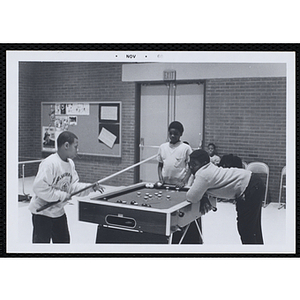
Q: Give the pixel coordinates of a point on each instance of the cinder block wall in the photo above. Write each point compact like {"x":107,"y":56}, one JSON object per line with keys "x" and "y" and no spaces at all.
{"x":247,"y":117}
{"x":76,"y":82}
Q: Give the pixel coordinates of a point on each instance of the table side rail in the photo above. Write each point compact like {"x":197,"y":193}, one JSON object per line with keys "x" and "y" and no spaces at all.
{"x":145,"y":220}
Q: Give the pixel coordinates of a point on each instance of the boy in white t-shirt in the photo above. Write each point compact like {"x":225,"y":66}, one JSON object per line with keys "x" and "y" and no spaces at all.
{"x":173,"y":168}
{"x":173,"y":158}
{"x":56,"y":180}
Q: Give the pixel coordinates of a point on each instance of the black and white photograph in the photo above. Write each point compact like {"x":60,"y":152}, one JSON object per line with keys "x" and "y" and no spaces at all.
{"x":95,"y":95}
{"x":156,"y":152}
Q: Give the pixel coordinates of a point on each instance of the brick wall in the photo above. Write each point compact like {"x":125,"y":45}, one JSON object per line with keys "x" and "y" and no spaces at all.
{"x":76,"y":82}
{"x":247,"y":117}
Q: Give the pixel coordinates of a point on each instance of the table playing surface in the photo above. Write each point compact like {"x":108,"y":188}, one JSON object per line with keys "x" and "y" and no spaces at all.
{"x":159,"y":198}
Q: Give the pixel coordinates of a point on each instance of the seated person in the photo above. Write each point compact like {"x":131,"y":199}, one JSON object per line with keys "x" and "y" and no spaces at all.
{"x":231,"y":161}
{"x":214,"y":158}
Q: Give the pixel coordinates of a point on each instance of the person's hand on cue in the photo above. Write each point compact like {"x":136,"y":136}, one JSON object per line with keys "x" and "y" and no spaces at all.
{"x":60,"y":203}
{"x":68,"y":198}
{"x":179,"y":184}
{"x":205,"y":206}
{"x":98,"y":187}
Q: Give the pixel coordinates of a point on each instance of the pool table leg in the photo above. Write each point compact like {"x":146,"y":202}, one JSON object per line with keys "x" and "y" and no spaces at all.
{"x":187,"y":228}
{"x":170,"y":239}
{"x":184,"y":233}
{"x":199,"y":229}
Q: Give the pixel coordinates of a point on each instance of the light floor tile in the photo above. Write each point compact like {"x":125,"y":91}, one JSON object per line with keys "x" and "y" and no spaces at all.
{"x":219,"y":228}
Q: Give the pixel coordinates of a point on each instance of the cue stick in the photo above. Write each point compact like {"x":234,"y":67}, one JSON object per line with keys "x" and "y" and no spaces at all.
{"x":97,"y":182}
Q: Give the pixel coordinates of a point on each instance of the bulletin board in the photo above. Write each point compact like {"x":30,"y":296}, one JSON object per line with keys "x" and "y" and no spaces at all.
{"x":96,"y":124}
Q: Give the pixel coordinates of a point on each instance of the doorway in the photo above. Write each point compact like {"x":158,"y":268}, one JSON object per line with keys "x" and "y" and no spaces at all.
{"x":160,"y":104}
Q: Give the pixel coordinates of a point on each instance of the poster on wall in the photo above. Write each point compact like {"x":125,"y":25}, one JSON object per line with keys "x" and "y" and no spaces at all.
{"x":60,"y":109}
{"x":72,"y":120}
{"x":72,"y":109}
{"x":48,"y":138}
{"x":61,"y":122}
{"x":109,"y":113}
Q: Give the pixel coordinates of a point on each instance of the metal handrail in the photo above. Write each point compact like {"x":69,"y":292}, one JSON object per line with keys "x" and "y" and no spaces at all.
{"x":27,"y":196}
{"x":30,"y":161}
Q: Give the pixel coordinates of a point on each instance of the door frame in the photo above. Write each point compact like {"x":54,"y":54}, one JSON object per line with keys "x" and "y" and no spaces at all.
{"x":137,"y":134}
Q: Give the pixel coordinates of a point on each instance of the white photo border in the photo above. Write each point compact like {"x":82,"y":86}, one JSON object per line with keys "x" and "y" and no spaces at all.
{"x":12,"y":62}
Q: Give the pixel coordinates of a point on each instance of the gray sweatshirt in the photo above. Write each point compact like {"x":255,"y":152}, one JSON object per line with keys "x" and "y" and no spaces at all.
{"x":225,"y":183}
{"x":55,"y":179}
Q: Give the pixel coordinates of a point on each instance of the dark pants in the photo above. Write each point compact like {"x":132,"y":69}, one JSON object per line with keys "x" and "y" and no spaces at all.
{"x":46,"y":229}
{"x":249,"y":211}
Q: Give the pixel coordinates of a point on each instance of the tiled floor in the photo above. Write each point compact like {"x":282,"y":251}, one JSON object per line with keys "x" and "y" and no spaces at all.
{"x":219,"y":228}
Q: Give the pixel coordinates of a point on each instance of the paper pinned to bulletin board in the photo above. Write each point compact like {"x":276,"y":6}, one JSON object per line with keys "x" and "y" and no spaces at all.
{"x":72,"y":109}
{"x":109,"y":113}
{"x":48,"y":138}
{"x":107,"y":137}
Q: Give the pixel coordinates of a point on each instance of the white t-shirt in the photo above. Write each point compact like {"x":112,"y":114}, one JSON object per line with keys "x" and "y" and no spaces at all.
{"x":55,"y":178}
{"x":215,"y":159}
{"x":175,"y":158}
